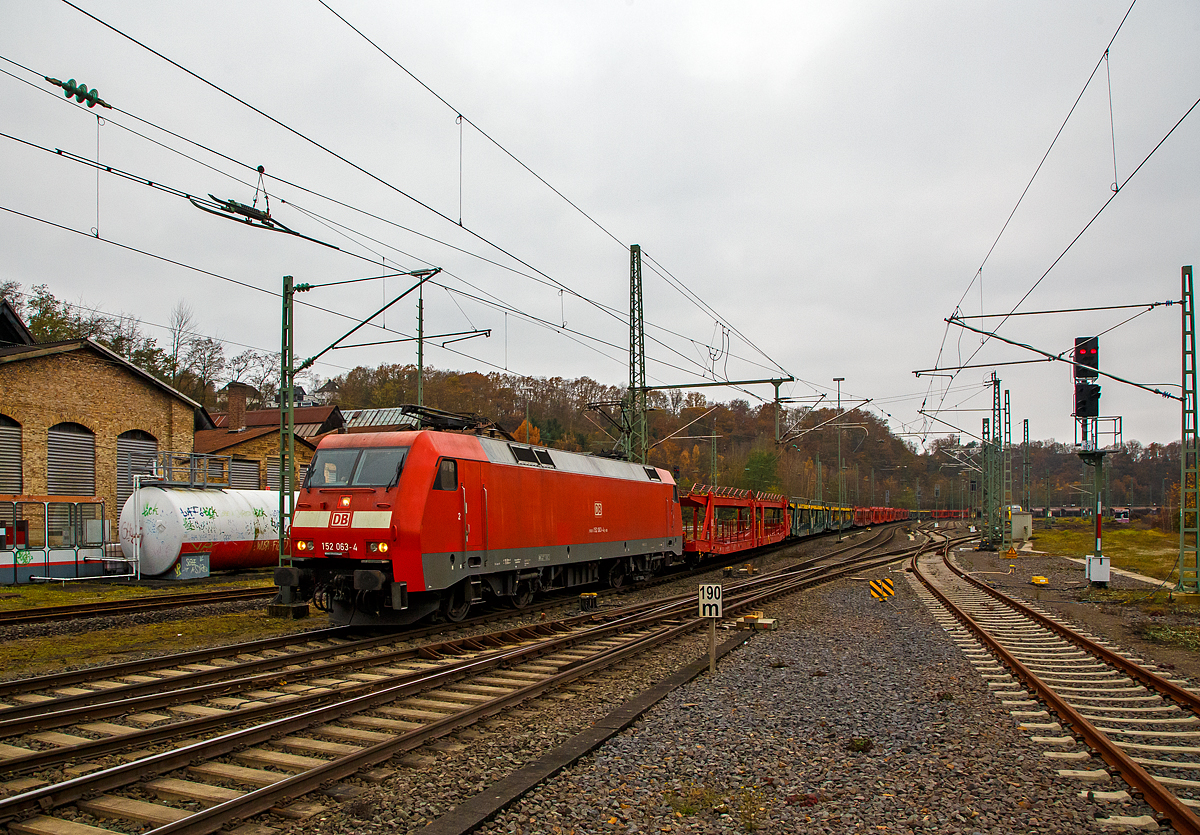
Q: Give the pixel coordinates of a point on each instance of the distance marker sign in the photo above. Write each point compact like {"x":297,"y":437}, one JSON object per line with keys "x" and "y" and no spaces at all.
{"x":710,"y":600}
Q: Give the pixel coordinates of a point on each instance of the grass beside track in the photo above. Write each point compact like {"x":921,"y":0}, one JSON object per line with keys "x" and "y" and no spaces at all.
{"x":25,"y":657}
{"x":74,"y":593}
{"x":1131,"y":547}
{"x":1140,"y":548}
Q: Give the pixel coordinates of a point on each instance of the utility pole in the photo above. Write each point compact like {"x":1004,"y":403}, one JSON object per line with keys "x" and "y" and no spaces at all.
{"x":420,"y":349}
{"x":287,"y":409}
{"x":1026,"y":497}
{"x":1006,"y":516}
{"x":1189,"y":489}
{"x":637,"y":359}
{"x":841,"y":499}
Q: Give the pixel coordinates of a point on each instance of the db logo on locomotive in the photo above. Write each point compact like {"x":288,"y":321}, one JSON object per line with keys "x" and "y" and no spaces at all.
{"x":599,"y":509}
{"x":340,"y":519}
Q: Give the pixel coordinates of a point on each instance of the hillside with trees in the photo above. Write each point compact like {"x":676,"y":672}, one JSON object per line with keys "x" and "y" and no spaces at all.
{"x":729,"y":443}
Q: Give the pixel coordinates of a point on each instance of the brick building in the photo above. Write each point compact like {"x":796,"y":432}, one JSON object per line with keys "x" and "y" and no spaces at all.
{"x":78,"y":419}
{"x":251,"y":439}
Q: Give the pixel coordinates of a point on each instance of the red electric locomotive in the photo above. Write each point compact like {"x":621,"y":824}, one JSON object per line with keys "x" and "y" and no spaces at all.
{"x":390,"y":527}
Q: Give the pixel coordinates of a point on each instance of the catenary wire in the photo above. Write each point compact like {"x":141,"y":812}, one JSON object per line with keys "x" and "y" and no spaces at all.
{"x":329,"y":223}
{"x":672,"y":281}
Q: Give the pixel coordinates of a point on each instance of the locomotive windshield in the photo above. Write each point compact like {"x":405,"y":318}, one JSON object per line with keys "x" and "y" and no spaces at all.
{"x":370,"y":467}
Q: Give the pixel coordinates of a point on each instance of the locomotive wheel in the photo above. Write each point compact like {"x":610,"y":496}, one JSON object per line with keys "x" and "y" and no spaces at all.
{"x":616,"y":574}
{"x":522,"y":597}
{"x":455,"y":605}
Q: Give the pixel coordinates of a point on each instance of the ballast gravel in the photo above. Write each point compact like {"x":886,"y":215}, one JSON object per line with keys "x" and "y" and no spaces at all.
{"x":854,"y":716}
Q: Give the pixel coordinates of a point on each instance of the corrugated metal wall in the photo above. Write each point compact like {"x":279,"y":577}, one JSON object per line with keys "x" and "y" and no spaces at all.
{"x":243,"y":475}
{"x":10,"y":455}
{"x":136,"y":451}
{"x":70,"y":461}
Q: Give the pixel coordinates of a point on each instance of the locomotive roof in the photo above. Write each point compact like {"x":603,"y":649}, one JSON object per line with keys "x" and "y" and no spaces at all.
{"x":474,"y":447}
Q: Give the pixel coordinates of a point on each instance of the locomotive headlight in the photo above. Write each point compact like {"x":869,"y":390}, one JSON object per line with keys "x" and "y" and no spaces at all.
{"x":377,"y":547}
{"x":301,"y":545}
{"x":344,"y":501}
{"x":383,"y":547}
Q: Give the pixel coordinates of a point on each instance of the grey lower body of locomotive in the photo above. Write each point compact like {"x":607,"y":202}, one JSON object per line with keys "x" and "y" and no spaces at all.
{"x":363,"y":592}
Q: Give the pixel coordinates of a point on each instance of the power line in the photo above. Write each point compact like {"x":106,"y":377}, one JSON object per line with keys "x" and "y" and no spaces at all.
{"x":1116,"y":191}
{"x":665,"y":274}
{"x":549,"y":282}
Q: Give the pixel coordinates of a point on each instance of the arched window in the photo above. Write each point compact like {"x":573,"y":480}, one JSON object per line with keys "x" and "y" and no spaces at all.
{"x":136,"y":451}
{"x":70,"y":460}
{"x":10,"y":455}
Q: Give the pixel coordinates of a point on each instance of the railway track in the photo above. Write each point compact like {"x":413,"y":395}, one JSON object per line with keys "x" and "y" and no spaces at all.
{"x":341,"y":710}
{"x":45,"y":614}
{"x":1088,"y":704}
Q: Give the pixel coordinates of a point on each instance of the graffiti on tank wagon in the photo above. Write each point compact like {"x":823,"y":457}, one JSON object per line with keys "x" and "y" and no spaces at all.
{"x":199,"y":518}
{"x":149,"y":510}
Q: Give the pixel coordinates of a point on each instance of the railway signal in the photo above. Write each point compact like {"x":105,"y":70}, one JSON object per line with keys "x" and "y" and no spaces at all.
{"x":1087,"y":357}
{"x":1087,"y":400}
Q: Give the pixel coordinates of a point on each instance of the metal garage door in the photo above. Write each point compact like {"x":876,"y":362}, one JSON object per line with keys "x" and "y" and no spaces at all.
{"x":10,"y":455}
{"x":273,"y":474}
{"x":136,"y":451}
{"x":70,"y":460}
{"x":243,"y":475}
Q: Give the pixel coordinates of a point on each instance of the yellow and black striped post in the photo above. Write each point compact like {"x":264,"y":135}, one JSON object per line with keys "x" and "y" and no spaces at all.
{"x":882,"y":589}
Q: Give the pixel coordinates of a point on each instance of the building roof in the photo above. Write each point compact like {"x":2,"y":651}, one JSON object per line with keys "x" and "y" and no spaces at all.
{"x":211,"y":441}
{"x":12,"y":329}
{"x":377,"y":420}
{"x":309,"y":420}
{"x":19,"y":353}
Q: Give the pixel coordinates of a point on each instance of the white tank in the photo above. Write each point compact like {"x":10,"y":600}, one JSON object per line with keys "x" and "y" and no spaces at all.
{"x":236,"y":528}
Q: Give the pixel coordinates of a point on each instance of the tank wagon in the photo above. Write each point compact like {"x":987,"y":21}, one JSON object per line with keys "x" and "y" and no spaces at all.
{"x":390,"y":527}
{"x":235,"y":529}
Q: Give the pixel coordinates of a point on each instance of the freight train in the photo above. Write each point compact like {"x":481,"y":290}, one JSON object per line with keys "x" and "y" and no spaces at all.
{"x":392,"y":527}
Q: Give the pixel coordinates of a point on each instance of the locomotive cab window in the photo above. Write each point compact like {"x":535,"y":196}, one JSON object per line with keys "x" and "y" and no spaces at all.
{"x":447,"y":475}
{"x":371,"y":467}
{"x":379,"y":467}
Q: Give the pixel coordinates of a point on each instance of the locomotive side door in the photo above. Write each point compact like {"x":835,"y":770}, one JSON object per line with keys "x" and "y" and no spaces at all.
{"x":472,"y":497}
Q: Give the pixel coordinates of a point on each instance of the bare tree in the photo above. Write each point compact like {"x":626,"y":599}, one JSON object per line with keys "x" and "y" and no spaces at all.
{"x":182,"y":331}
{"x":205,"y":361}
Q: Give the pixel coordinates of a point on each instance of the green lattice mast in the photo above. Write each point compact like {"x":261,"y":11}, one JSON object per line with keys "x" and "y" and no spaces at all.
{"x":1189,"y":509}
{"x":637,"y":359}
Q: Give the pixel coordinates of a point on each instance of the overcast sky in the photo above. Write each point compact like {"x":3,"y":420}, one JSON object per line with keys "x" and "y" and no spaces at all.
{"x":827,"y":177}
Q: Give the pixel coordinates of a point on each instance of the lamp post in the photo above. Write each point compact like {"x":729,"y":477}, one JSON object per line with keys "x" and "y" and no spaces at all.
{"x":841,"y":480}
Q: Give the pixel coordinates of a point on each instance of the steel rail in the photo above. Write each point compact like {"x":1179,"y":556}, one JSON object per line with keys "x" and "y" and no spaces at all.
{"x":208,"y":684}
{"x":1181,"y":695}
{"x":126,"y":773}
{"x":51,"y":796}
{"x":106,"y":710}
{"x":150,"y":603}
{"x":66,"y":679}
{"x":1155,"y":793}
{"x":211,"y":819}
{"x":125,"y":668}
